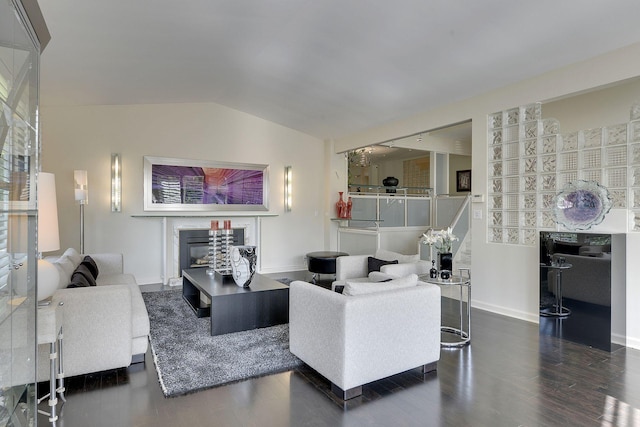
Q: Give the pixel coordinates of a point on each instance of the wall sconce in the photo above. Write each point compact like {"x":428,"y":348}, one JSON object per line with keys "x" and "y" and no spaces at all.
{"x":81,"y":190}
{"x":116,"y":183}
{"x":288,"y":190}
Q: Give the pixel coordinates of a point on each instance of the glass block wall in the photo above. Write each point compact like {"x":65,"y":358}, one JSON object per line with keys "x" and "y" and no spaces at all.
{"x":530,"y":161}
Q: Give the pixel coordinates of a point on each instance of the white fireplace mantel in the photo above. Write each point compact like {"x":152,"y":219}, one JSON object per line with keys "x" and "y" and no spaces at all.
{"x":172,"y":224}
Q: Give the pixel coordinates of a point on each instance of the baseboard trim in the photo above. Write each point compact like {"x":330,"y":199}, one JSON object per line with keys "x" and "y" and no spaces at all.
{"x":627,"y":341}
{"x":528,"y":317}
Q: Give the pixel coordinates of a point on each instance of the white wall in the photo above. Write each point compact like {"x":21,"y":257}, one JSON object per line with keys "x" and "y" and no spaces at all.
{"x":85,"y":137}
{"x":506,"y":276}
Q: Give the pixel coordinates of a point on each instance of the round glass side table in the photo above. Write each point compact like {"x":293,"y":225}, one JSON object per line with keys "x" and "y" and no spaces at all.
{"x":462,"y":281}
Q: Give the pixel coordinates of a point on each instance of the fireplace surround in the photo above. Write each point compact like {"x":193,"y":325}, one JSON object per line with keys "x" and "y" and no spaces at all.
{"x":171,"y":225}
{"x":193,"y":247}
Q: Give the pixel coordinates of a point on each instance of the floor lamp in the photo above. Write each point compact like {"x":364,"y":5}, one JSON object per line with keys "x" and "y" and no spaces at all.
{"x":48,"y":234}
{"x":82,"y":197}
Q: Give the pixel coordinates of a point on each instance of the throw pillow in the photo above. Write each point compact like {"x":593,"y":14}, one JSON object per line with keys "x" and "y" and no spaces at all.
{"x":91,"y":265}
{"x":79,"y":281}
{"x":73,"y":255}
{"x":82,"y":270}
{"x":65,"y":267}
{"x":361,"y":288}
{"x":374,"y":264}
{"x":402,"y":259}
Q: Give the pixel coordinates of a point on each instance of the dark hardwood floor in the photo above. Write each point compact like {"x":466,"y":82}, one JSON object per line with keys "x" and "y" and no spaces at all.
{"x":508,"y":376}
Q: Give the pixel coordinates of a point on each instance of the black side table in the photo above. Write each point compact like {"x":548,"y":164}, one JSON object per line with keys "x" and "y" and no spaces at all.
{"x":323,"y":262}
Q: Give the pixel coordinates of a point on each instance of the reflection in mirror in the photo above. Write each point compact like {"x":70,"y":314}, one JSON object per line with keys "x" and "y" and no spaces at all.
{"x":409,"y":162}
{"x":576,"y":287}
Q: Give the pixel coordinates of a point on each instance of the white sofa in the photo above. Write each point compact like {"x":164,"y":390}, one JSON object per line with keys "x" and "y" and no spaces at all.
{"x":104,"y":326}
{"x":354,"y":340}
{"x":355,"y":267}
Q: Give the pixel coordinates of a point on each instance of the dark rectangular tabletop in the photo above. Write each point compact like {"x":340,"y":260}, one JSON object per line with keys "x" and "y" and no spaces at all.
{"x":212,"y":285}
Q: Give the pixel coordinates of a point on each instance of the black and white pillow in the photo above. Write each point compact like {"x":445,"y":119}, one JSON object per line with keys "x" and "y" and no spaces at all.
{"x":374,"y":264}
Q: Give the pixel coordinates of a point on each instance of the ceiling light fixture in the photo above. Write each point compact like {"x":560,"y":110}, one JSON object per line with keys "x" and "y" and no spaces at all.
{"x":361,"y":157}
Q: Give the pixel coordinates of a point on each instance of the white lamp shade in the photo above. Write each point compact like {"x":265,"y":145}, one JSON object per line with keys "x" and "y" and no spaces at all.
{"x":81,"y":186}
{"x":48,"y":235}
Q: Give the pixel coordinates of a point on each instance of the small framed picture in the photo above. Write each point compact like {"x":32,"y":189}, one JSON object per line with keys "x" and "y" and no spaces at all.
{"x":463,"y":180}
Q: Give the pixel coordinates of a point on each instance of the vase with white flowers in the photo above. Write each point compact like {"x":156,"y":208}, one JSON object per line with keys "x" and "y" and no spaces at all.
{"x":442,"y":240}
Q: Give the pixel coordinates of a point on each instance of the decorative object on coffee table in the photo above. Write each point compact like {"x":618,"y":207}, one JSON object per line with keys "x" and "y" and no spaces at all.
{"x":243,"y":264}
{"x":219,"y":248}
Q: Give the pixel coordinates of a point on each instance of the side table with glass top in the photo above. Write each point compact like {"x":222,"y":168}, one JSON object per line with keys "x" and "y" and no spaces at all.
{"x":462,"y":280}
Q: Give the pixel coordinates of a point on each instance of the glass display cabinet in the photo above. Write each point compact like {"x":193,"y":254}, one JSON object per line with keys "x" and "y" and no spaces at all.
{"x":19,"y":152}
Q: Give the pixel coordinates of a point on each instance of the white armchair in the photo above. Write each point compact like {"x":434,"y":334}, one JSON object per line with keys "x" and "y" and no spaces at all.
{"x":354,"y":340}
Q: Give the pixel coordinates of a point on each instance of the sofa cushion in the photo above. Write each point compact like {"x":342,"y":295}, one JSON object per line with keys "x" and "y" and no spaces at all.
{"x":360,"y":288}
{"x":377,"y":276}
{"x":139,"y":316}
{"x":91,"y":265}
{"x":390,"y":255}
{"x":116,"y":279}
{"x":374,"y":264}
{"x":74,"y":256}
{"x":82,"y":270}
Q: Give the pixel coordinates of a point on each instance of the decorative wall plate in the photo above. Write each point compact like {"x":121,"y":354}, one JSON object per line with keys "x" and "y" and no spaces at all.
{"x":581,"y":205}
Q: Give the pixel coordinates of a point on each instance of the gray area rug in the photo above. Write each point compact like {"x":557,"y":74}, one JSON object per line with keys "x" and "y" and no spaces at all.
{"x":189,"y":359}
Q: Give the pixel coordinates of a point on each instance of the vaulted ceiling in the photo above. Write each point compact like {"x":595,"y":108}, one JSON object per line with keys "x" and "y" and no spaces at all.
{"x":328,"y":68}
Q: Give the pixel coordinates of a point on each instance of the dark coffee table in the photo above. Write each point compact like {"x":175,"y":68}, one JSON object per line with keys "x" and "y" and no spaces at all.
{"x":264,"y":303}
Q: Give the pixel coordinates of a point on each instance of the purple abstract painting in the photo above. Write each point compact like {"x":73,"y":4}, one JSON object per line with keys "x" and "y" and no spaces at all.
{"x":172,"y":184}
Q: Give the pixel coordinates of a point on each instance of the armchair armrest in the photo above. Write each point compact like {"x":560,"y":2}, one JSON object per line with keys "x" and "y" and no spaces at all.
{"x":97,"y":328}
{"x":109,"y":263}
{"x":351,"y":266}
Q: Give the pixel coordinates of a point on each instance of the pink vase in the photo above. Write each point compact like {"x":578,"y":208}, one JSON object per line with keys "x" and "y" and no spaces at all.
{"x":349,"y":206}
{"x":341,"y":207}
